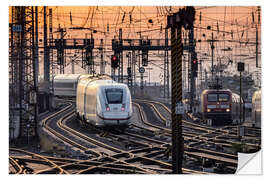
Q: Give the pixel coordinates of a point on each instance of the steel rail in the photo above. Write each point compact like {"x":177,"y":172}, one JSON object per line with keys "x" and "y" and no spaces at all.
{"x":208,"y":153}
{"x":55,"y":166}
{"x":15,"y":165}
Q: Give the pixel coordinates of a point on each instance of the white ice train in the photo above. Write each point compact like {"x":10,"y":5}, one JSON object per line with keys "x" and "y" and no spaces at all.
{"x":103,"y":102}
{"x":256,"y":108}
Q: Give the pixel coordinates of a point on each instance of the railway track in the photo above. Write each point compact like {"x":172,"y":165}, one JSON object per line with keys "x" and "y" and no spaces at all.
{"x":141,"y":149}
{"x":24,"y":169}
{"x":123,"y":154}
{"x":124,"y":157}
{"x":15,"y":168}
{"x":225,"y":133}
{"x":89,"y":140}
{"x":228,"y":159}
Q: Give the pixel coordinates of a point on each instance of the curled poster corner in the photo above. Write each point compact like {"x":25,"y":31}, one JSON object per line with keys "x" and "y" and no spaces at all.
{"x":249,"y":163}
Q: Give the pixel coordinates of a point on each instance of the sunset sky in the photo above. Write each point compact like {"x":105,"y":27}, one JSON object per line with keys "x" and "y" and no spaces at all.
{"x":233,"y":27}
{"x":149,"y":19}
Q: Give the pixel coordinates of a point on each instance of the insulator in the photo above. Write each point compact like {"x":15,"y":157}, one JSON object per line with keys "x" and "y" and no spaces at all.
{"x":130,"y":18}
{"x":200,"y":17}
{"x":70,"y":16}
{"x":252,"y":17}
{"x":123,"y":18}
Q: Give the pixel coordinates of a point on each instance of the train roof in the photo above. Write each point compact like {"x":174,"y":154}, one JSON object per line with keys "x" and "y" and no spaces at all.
{"x":216,"y":90}
{"x":257,"y":95}
{"x":66,"y":76}
{"x":101,"y":83}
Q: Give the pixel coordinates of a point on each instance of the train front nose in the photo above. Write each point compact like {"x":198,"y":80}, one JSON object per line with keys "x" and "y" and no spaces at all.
{"x":116,"y":112}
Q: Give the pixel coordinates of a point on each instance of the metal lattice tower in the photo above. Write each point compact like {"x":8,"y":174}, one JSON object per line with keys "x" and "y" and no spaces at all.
{"x":102,"y":62}
{"x":120,"y":69}
{"x":14,"y":101}
{"x":22,"y":70}
{"x":166,"y":67}
{"x":53,"y":63}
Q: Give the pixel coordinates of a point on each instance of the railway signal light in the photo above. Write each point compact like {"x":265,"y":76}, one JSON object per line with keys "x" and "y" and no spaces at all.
{"x":129,"y":71}
{"x":189,"y":16}
{"x":114,"y":61}
{"x":145,"y":58}
{"x":89,"y":57}
{"x":241,"y":66}
{"x":194,"y":67}
{"x":88,"y":54}
{"x":60,"y":58}
{"x":195,"y":74}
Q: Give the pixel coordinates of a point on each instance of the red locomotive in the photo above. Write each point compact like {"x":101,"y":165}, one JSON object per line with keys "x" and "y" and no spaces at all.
{"x":220,"y":105}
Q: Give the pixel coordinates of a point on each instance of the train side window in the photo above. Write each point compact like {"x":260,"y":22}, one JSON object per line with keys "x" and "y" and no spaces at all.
{"x":63,"y":85}
{"x":223,"y":97}
{"x":212,"y":97}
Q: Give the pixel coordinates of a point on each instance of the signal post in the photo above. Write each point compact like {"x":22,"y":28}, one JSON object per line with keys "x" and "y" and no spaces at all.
{"x":184,"y":18}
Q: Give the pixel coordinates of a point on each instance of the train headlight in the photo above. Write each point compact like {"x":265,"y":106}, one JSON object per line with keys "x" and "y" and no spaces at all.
{"x":123,"y":107}
{"x":107,"y":107}
{"x":228,"y":110}
{"x":208,"y":110}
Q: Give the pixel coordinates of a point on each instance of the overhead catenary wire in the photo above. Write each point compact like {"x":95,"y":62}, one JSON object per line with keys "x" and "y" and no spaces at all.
{"x":99,"y":18}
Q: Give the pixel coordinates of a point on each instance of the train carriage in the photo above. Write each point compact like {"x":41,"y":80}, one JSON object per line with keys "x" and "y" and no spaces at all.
{"x":256,"y":108}
{"x":65,"y":85}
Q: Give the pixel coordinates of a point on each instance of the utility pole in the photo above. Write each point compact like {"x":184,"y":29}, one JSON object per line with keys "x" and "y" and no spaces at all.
{"x":72,"y":65}
{"x":120,"y":70}
{"x":192,"y":75}
{"x":129,"y":70}
{"x":89,"y":52}
{"x":141,"y":70}
{"x":52,"y":63}
{"x":240,"y":68}
{"x":166,"y":67}
{"x":212,"y":59}
{"x":61,"y":52}
{"x":36,"y":46}
{"x":176,"y":119}
{"x":257,"y":46}
{"x":46,"y":55}
{"x":240,"y":97}
{"x":182,"y":19}
{"x":36,"y":67}
{"x":201,"y":74}
{"x":259,"y":21}
{"x":133,"y":70}
{"x":113,"y":73}
{"x":102,"y":70}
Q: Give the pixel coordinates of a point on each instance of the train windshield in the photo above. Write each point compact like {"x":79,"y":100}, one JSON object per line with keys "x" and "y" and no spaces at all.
{"x":217,"y":97}
{"x":212,"y":97}
{"x":114,"y":96}
{"x":223,"y":97}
